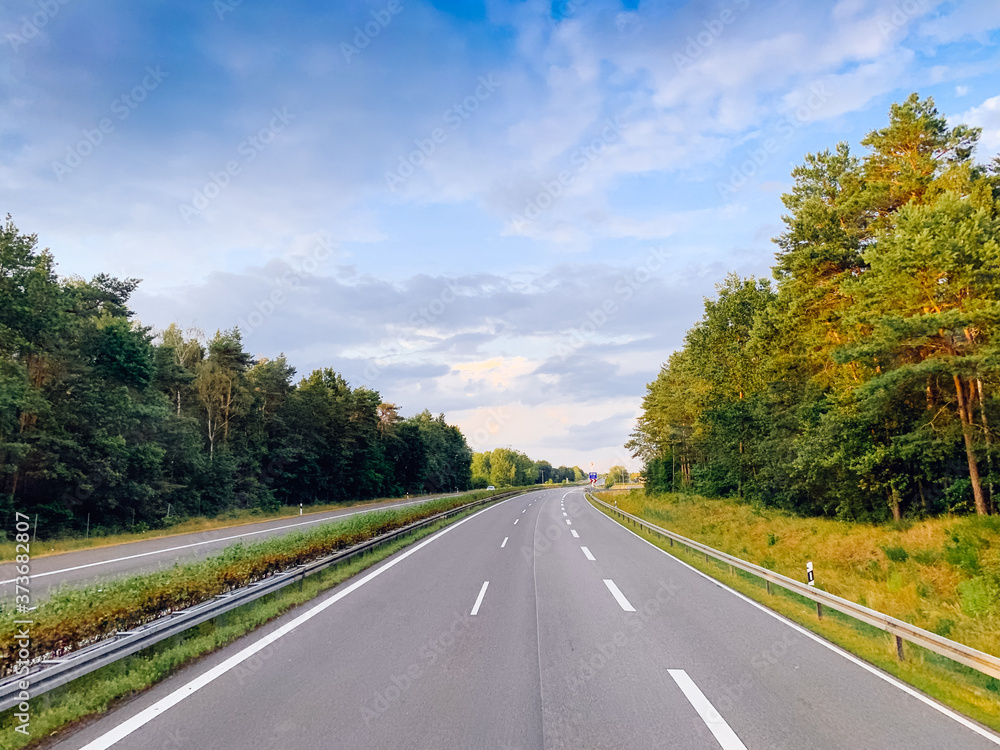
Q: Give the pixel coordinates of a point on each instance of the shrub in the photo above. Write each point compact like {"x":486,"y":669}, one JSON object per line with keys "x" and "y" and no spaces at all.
{"x":963,"y":551}
{"x":896,"y":554}
{"x":976,"y":597}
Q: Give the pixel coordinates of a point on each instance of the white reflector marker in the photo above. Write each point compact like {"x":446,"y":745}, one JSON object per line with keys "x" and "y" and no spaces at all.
{"x":713,"y":720}
{"x":618,"y":595}
{"x":479,"y":599}
{"x":588,"y":554}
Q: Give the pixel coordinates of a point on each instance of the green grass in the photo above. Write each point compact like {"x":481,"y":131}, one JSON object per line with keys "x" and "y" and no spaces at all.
{"x":100,"y":691}
{"x":71,"y":617}
{"x":964,"y":689}
{"x":236,"y":517}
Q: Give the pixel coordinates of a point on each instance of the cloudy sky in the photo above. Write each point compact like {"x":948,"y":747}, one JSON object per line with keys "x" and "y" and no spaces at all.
{"x":506,"y":211}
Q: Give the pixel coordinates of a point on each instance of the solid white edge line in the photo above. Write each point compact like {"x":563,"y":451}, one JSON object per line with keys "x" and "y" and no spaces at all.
{"x":504,"y":543}
{"x":479,"y":599}
{"x":926,"y":699}
{"x":210,"y":541}
{"x":618,"y":595}
{"x":712,"y":718}
{"x":126,"y":728}
{"x":574,"y":533}
{"x":588,"y":554}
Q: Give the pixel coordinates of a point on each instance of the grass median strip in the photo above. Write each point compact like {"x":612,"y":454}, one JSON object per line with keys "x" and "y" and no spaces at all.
{"x":96,"y":693}
{"x":74,"y":617}
{"x":196,"y":524}
{"x":964,"y":689}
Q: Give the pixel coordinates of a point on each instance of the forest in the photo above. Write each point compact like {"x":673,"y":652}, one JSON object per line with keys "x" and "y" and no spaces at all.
{"x":105,"y":426}
{"x":506,"y":467}
{"x":861,"y":382}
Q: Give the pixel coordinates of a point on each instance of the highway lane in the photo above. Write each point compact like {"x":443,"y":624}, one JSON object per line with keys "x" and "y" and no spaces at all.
{"x":103,"y":563}
{"x":624,"y":647}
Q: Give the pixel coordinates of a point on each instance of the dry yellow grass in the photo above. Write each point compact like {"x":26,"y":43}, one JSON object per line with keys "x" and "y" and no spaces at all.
{"x":939,"y":574}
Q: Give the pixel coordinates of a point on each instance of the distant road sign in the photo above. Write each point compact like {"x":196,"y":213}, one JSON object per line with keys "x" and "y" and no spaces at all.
{"x":593,"y":477}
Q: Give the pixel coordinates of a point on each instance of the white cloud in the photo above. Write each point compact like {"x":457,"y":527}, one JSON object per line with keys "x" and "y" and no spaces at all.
{"x":971,"y":18}
{"x":987,"y":117}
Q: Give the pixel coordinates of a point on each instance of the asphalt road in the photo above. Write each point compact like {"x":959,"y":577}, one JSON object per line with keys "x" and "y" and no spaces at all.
{"x":508,"y":630}
{"x":91,"y":565}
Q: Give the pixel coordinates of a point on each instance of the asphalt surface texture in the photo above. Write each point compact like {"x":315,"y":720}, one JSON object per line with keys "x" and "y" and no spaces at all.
{"x":536,"y":623}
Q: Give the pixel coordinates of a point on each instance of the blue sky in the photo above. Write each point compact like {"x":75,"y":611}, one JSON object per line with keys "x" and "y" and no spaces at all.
{"x":509,"y":212}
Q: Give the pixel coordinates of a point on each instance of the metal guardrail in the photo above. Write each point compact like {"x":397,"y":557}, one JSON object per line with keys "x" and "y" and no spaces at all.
{"x":54,"y":673}
{"x":903,"y":631}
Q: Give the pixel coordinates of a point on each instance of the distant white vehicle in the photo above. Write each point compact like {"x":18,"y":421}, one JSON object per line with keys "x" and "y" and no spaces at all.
{"x":491,"y":487}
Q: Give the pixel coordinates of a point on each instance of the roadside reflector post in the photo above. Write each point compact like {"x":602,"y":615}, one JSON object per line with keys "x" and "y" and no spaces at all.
{"x":300,"y":509}
{"x":812,"y":582}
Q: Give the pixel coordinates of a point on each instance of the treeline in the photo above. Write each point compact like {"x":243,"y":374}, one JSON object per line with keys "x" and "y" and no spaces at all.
{"x":505,"y":467}
{"x":99,"y":418}
{"x":863,"y":383}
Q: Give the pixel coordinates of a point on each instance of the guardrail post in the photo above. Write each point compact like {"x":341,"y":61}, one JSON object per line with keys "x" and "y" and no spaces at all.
{"x":767,"y":583}
{"x":819,"y":610}
{"x":899,"y":649}
{"x":671,"y":541}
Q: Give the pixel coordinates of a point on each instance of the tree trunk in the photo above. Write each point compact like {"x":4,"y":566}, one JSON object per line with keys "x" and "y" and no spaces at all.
{"x":894,"y":504}
{"x":989,"y":441}
{"x":923,"y":497}
{"x":964,"y":412}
